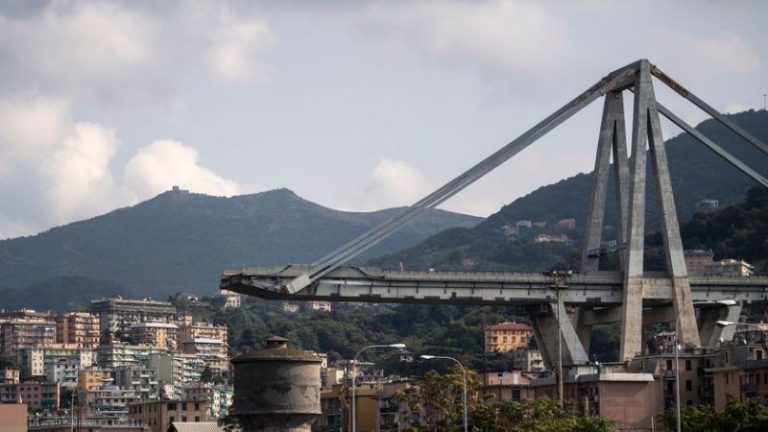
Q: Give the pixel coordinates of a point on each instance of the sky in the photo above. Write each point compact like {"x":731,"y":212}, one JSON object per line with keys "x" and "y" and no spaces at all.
{"x":355,"y":105}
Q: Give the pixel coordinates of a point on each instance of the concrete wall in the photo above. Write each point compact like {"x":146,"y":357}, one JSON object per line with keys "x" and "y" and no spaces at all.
{"x":13,"y":418}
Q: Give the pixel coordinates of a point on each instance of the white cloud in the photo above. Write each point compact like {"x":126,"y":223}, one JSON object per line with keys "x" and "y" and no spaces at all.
{"x":737,"y":107}
{"x":705,"y":58}
{"x":500,"y":35}
{"x":392,"y":183}
{"x":727,"y":52}
{"x":235,"y":48}
{"x":166,"y":163}
{"x":30,"y":126}
{"x":56,"y":170}
{"x":78,"y":182}
{"x":97,"y":49}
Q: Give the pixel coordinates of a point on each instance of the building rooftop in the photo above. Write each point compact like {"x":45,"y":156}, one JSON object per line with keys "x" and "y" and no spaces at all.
{"x":509,"y":326}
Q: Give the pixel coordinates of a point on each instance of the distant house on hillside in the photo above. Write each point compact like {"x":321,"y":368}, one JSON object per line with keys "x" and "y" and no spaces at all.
{"x":706,"y":205}
{"x":552,"y":238}
{"x":510,"y":231}
{"x":524,"y":224}
{"x":568,"y":224}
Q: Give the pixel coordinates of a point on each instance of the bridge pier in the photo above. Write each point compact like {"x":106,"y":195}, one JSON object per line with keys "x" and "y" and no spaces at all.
{"x":546,"y":328}
{"x":710,"y":332}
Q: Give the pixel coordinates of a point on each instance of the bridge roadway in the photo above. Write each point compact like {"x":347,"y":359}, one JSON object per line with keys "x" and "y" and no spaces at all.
{"x":376,"y":285}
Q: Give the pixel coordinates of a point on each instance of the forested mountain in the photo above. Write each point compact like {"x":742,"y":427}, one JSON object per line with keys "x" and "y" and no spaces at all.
{"x":697,"y":174}
{"x":180,"y":241}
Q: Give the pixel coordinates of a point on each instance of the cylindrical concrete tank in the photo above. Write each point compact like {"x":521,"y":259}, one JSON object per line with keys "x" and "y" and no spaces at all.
{"x":277,"y":388}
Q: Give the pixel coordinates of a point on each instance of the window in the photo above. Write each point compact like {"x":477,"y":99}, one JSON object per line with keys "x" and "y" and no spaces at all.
{"x":171,"y":419}
{"x":688,"y":385}
{"x":197,"y":419}
{"x":726,"y":378}
{"x":687,"y":365}
{"x":184,"y":418}
{"x":669,"y":364}
{"x":197,"y":406}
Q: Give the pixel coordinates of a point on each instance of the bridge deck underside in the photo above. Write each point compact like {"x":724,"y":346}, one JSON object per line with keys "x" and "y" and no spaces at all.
{"x":379,"y":286}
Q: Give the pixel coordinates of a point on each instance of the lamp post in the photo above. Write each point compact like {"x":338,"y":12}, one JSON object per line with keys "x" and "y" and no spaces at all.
{"x":751,"y":325}
{"x":558,"y":281}
{"x":72,"y":402}
{"x":354,"y":378}
{"x":464,"y":376}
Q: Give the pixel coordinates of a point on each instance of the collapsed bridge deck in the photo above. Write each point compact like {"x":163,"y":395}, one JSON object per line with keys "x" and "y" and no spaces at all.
{"x":371,"y":284}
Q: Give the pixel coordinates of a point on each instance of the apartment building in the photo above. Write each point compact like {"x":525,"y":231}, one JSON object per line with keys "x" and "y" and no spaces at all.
{"x":174,"y":370}
{"x":93,"y":377}
{"x":231,"y":299}
{"x":158,"y":334}
{"x":140,"y":379}
{"x":528,"y":360}
{"x":508,"y":385}
{"x":212,"y":352}
{"x":34,"y":361}
{"x":122,"y":354}
{"x":117,"y":314}
{"x":218,"y":396}
{"x":20,"y":333}
{"x":507,"y":336}
{"x":110,"y":401}
{"x":159,"y":415}
{"x":36,"y":395}
{"x":79,"y":328}
{"x":63,"y":370}
{"x":9,"y":375}
{"x":208,"y":341}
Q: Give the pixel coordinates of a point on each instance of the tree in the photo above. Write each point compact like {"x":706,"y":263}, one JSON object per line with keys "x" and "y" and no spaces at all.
{"x":437,"y":398}
{"x":751,"y":416}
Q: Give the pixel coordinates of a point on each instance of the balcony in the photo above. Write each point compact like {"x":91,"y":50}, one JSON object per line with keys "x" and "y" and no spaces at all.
{"x":749,"y":389}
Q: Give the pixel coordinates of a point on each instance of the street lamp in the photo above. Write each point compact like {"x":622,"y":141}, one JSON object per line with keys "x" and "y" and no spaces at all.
{"x":354,"y":378}
{"x":723,"y":323}
{"x":464,"y":374}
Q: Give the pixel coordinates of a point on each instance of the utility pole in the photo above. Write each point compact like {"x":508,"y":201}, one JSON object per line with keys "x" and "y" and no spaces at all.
{"x":559,"y":281}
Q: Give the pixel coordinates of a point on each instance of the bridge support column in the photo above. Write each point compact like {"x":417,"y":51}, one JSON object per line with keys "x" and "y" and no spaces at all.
{"x":710,"y":332}
{"x":546,"y":329}
{"x":646,"y":130}
{"x":583,"y":331}
{"x":612,"y":140}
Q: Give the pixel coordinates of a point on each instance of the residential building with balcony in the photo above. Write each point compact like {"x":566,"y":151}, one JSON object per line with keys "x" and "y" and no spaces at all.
{"x":212,"y":352}
{"x":528,"y":360}
{"x":121,"y":354}
{"x":140,"y":379}
{"x":117,"y":314}
{"x":20,"y":333}
{"x":161,"y":335}
{"x":110,"y":401}
{"x":78,"y":328}
{"x":174,"y":370}
{"x":508,"y":386}
{"x":36,"y":395}
{"x":93,"y":377}
{"x":38,"y":361}
{"x":9,"y":375}
{"x":218,"y":396}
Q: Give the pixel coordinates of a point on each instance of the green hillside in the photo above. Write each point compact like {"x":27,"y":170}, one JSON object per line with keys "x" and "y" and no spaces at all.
{"x":181,"y":241}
